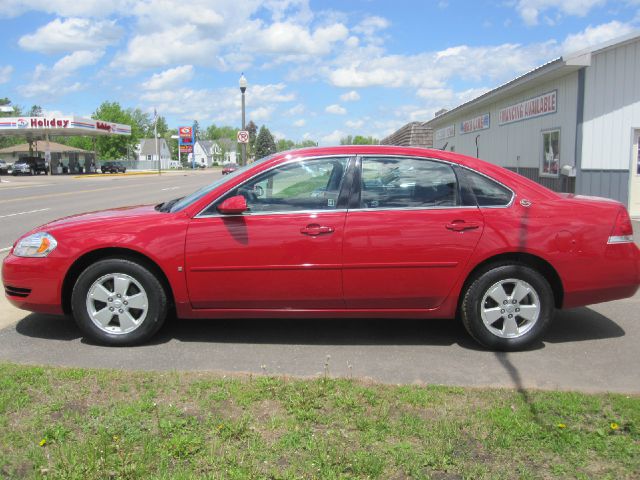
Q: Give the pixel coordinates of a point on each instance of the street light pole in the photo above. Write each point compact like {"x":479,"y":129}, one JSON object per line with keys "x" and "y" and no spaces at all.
{"x":243,"y":88}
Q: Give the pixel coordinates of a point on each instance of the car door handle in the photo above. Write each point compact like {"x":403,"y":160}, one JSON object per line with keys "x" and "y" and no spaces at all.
{"x":315,"y":229}
{"x":461,"y":226}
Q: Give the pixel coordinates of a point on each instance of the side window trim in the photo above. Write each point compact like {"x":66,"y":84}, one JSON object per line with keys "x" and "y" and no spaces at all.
{"x":464,"y":169}
{"x":356,"y":194}
{"x":347,"y":178}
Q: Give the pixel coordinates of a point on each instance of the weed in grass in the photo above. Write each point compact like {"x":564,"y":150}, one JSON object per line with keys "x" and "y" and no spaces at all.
{"x":165,"y":426}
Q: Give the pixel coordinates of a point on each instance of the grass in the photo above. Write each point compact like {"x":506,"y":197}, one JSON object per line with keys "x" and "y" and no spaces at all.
{"x":98,"y":424}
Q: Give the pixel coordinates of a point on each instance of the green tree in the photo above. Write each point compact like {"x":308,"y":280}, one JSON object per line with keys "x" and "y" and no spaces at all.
{"x":196,"y":130}
{"x":162,"y":127}
{"x":215,"y":133}
{"x":35,"y":111}
{"x":252,"y":128}
{"x":358,"y":140}
{"x":307,"y":143}
{"x":265,"y":144}
{"x":172,"y":142}
{"x":142,"y":120}
{"x":116,"y":146}
{"x":283,"y":144}
{"x":16,"y":112}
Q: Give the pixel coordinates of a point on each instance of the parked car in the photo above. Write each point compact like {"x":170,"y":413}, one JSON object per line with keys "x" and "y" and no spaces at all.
{"x":5,"y":168}
{"x":30,"y":166}
{"x":227,"y":168}
{"x":113,"y":167}
{"x":352,"y":231}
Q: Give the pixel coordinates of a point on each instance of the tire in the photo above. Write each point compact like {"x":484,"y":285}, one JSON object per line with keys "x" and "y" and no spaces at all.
{"x":118,"y":282}
{"x":505,"y":326}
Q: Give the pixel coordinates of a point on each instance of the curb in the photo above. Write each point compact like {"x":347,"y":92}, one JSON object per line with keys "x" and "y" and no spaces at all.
{"x":115,"y":175}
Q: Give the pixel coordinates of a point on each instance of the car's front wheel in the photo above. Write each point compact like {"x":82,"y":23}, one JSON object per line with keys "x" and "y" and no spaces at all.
{"x":508,"y":307}
{"x":118,"y":302}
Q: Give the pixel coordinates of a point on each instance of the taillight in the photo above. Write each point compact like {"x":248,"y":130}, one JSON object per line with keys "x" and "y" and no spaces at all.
{"x":623,"y":229}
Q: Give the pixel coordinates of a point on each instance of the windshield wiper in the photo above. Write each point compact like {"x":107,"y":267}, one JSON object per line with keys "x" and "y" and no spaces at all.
{"x":166,"y":206}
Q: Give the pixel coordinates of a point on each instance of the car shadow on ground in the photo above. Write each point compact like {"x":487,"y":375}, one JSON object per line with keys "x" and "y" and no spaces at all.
{"x":574,"y":325}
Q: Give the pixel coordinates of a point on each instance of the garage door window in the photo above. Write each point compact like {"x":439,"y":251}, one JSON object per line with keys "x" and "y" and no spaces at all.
{"x":550,"y":153}
{"x":407,"y":183}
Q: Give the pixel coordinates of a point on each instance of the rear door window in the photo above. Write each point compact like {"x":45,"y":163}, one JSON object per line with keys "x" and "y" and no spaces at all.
{"x":389,"y":182}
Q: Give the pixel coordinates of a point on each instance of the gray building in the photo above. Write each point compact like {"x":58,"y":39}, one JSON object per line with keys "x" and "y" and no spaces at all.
{"x":414,"y":134}
{"x":572,"y":124}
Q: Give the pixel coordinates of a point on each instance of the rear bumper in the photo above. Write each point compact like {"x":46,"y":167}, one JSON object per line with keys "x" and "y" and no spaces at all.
{"x":34,"y":284}
{"x":614,"y":276}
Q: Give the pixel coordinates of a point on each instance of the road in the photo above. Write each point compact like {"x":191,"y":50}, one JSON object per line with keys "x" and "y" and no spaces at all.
{"x":588,"y":349}
{"x":26,"y":202}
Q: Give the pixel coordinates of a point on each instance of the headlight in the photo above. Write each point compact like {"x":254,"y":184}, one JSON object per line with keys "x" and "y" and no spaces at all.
{"x":39,"y":244}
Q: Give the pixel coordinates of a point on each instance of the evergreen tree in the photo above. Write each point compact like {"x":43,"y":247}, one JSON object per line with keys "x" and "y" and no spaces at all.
{"x":265,"y":144}
{"x":252,"y":128}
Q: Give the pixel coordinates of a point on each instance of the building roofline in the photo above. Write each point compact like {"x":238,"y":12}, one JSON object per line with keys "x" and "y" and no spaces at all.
{"x":570,"y":62}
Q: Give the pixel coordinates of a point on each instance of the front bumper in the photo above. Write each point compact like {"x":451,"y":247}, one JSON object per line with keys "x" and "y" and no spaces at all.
{"x":34,"y":284}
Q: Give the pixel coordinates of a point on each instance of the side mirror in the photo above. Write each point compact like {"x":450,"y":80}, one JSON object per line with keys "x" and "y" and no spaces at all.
{"x":233,"y":206}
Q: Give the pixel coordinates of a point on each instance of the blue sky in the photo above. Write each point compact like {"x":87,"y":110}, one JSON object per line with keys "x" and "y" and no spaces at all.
{"x":317,"y":70}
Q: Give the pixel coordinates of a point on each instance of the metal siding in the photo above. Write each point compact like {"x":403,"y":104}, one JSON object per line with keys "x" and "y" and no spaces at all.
{"x":503,"y":144}
{"x":606,"y":183}
{"x":612,"y":109}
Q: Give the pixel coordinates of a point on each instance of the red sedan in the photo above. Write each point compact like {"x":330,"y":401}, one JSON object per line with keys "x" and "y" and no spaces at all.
{"x":359,"y":231}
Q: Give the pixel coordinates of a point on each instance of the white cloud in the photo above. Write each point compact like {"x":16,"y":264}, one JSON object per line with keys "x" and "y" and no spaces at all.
{"x":351,"y":96}
{"x":5,"y":73}
{"x":288,"y":38}
{"x":169,"y":78}
{"x":434,"y":70}
{"x":299,"y":123}
{"x":354,"y":124}
{"x":220,"y":105}
{"x":371,"y":25}
{"x":529,"y":10}
{"x":58,"y":80}
{"x":72,"y":34}
{"x":296,"y":110}
{"x":261,"y":113}
{"x":594,"y":35}
{"x":66,"y":8}
{"x":336,"y":109}
{"x":333,"y":138}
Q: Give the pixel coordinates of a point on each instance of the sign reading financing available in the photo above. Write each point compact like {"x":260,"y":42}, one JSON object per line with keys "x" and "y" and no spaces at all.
{"x":534,"y":107}
{"x":474,"y":124}
{"x":446,"y":132}
{"x":243,"y":136}
{"x":186,"y":148}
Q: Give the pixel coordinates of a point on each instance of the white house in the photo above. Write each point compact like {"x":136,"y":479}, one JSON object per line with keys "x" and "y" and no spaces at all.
{"x":207,"y":152}
{"x":147,"y":157}
{"x":229,"y":147}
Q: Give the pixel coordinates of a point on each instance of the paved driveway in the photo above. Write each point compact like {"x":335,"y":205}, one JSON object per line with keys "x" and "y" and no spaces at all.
{"x":588,"y":349}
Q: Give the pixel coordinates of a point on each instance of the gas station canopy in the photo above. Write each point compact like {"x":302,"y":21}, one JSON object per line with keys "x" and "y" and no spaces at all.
{"x":35,"y":128}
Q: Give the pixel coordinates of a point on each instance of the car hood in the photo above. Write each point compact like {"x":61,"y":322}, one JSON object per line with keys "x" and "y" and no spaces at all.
{"x":119,"y":217}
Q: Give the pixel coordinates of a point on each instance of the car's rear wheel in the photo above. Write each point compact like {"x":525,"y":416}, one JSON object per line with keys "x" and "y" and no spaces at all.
{"x":118,"y":302}
{"x":508,"y":307}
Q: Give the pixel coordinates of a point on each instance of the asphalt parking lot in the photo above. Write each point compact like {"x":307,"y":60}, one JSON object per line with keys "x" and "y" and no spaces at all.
{"x":587,"y":349}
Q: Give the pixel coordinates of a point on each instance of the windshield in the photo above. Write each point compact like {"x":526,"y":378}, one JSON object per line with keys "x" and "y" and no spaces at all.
{"x":198,"y":194}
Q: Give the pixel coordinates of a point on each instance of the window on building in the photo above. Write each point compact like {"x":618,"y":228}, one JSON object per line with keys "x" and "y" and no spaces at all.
{"x":148,"y":157}
{"x":550,"y":152}
{"x":407,"y":183}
